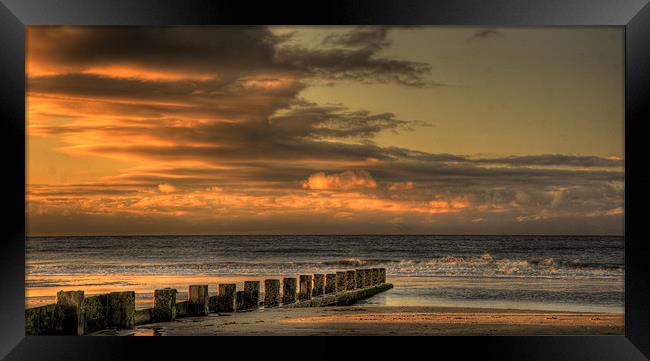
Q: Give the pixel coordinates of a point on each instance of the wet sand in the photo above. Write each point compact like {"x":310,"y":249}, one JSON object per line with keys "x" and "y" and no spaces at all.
{"x":383,"y":320}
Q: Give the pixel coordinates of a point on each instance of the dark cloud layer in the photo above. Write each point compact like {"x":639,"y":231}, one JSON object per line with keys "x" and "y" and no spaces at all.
{"x":556,"y":160}
{"x":224,"y":51}
{"x":363,"y":37}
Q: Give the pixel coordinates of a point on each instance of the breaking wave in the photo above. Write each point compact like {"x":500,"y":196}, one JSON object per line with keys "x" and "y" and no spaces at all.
{"x":484,"y":265}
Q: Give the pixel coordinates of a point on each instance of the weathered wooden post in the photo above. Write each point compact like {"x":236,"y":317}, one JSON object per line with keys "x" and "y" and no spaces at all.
{"x":367,"y":278}
{"x":340,"y":281}
{"x":289,"y":286}
{"x":164,"y":305}
{"x":212,"y":304}
{"x":271,"y":293}
{"x":359,"y":277}
{"x":251,"y":294}
{"x":330,"y":283}
{"x":239,"y":300}
{"x":375,"y":276}
{"x":350,"y":280}
{"x":121,"y":309}
{"x":371,"y":277}
{"x":41,"y":320}
{"x":319,"y":284}
{"x":197,"y":300}
{"x":382,"y":275}
{"x":226,"y":297}
{"x":68,"y":313}
{"x":304,"y":292}
{"x":94,"y":310}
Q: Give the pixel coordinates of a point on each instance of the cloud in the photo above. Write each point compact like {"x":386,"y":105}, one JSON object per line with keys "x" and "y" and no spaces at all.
{"x":360,"y":65}
{"x":449,"y":204}
{"x":346,"y":180}
{"x":166,"y":188}
{"x":335,"y":121}
{"x":354,"y":56}
{"x":399,"y":186}
{"x":556,"y":160}
{"x":227,"y":53}
{"x":216,"y":50}
{"x":361,"y":37}
{"x":618,"y":211}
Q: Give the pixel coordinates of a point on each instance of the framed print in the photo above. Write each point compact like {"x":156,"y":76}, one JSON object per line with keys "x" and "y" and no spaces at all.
{"x":351,"y":168}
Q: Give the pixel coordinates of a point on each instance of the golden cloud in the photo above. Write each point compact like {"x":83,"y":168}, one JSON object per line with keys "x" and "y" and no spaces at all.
{"x":346,"y":180}
{"x":399,"y":186}
{"x":167,"y":188}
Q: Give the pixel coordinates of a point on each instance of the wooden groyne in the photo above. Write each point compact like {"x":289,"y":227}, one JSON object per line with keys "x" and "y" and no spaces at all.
{"x":75,"y":314}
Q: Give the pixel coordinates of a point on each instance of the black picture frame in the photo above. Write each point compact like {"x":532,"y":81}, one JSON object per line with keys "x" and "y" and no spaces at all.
{"x":634,"y":15}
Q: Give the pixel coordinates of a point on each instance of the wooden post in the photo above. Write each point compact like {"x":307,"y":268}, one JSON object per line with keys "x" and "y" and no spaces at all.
{"x":239,"y":300}
{"x":226,"y":297}
{"x":330,"y":283}
{"x":350,"y":280}
{"x":271,"y":293}
{"x":68,"y":313}
{"x":121,"y":309}
{"x":382,"y":275}
{"x":212,"y":304}
{"x":251,"y":294}
{"x":305,"y":287}
{"x":319,"y":284}
{"x":340,"y":281}
{"x":197,"y":300}
{"x":371,"y":277}
{"x":359,"y":277}
{"x":41,"y":321}
{"x":164,"y":305}
{"x":94,"y":310}
{"x":367,"y":278}
{"x":289,"y":290}
{"x":375,"y":276}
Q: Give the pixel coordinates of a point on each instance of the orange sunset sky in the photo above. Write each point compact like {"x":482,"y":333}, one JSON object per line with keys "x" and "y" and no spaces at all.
{"x":226,"y":130}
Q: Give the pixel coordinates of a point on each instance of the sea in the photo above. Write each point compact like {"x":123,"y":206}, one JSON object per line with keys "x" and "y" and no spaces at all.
{"x":554,"y":273}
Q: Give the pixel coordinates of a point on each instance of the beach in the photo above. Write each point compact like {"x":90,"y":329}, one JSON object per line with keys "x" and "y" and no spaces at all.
{"x":443,"y":285}
{"x":381,"y":320}
{"x":582,"y":274}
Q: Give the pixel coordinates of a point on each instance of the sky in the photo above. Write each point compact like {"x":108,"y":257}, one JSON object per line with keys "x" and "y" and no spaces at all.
{"x":321,"y":130}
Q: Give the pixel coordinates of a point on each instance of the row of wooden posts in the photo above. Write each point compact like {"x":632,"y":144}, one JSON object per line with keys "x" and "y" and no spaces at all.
{"x":75,"y":314}
{"x":228,"y":299}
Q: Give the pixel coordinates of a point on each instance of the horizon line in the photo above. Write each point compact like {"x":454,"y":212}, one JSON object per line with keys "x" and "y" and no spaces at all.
{"x":325,"y":234}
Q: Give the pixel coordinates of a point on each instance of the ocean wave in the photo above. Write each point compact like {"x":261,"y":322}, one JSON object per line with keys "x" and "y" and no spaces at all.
{"x":484,"y":265}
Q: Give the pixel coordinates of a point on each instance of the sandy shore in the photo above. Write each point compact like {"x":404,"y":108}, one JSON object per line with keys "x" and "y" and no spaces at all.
{"x":382,"y":320}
